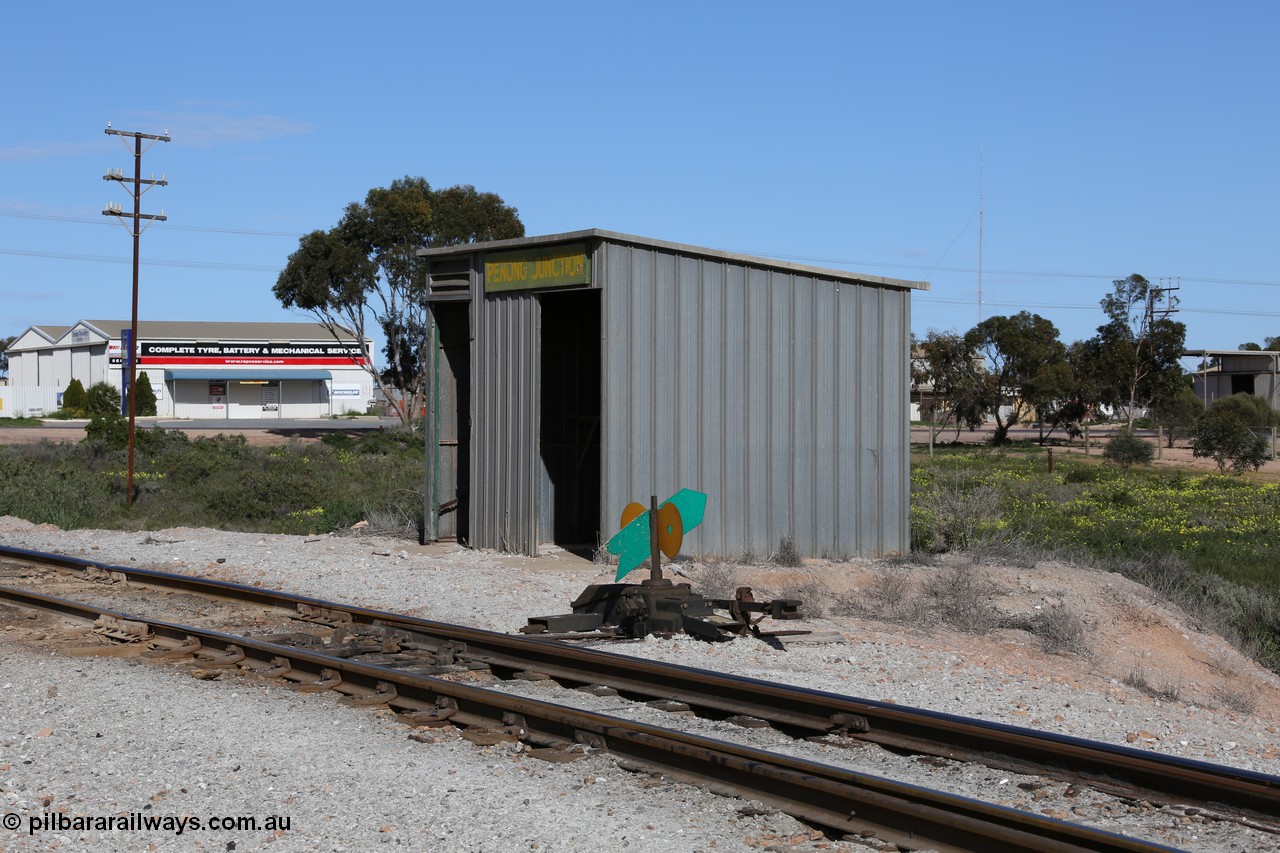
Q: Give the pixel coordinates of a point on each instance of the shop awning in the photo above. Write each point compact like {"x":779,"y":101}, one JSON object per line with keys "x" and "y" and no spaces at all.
{"x":250,"y":375}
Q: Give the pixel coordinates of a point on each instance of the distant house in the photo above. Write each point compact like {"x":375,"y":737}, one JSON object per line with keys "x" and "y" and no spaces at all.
{"x":924,"y":398}
{"x":1226,"y":372}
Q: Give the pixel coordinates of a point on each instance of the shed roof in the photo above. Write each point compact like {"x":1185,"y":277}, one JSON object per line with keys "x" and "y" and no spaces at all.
{"x":681,"y":248}
{"x":1190,"y":353}
{"x":200,"y":330}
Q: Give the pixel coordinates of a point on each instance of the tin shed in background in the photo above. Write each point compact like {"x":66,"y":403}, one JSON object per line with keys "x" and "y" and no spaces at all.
{"x":575,"y":373}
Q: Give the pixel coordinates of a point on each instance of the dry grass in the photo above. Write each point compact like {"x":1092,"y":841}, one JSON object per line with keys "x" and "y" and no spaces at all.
{"x":716,"y":580}
{"x":1240,"y":697}
{"x":787,"y":554}
{"x":958,"y":597}
{"x":1060,"y":631}
{"x":961,"y":598}
{"x":1138,"y":680}
{"x":815,"y":598}
{"x":891,"y":597}
{"x":391,"y":521}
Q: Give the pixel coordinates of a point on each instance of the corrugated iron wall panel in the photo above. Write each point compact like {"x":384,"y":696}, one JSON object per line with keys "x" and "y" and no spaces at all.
{"x":734,"y":452}
{"x":823,"y":426}
{"x":781,"y":395}
{"x":507,"y":471}
{"x":664,"y":370}
{"x":755,"y":495}
{"x":714,"y":426}
{"x":689,"y":352}
{"x":800,"y":417}
{"x":870,"y":471}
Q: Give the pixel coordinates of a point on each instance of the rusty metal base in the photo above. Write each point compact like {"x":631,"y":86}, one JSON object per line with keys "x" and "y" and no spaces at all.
{"x":663,"y":608}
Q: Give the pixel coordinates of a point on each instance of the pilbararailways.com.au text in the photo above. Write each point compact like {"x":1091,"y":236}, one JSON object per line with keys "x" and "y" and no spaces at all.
{"x":140,"y":822}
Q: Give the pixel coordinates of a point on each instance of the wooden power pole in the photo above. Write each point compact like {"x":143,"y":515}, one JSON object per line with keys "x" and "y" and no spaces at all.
{"x":135,"y":187}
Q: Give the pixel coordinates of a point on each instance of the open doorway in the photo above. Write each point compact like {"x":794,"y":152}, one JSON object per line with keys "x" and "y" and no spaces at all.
{"x":570,"y":419}
{"x":451,"y":403}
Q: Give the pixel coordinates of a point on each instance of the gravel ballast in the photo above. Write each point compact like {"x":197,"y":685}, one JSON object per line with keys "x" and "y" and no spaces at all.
{"x":94,"y":737}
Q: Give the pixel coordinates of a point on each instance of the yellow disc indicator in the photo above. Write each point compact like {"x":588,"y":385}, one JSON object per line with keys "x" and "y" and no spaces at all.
{"x":631,"y":512}
{"x":670,"y":530}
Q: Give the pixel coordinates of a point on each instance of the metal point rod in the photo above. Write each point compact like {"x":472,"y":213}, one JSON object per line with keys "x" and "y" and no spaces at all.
{"x":655,"y":552}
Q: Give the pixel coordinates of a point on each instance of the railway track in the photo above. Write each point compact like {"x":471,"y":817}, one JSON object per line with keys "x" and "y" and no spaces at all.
{"x":374,"y":645}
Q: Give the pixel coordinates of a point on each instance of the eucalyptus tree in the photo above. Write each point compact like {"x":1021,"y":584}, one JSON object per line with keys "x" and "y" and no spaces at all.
{"x":364,"y":274}
{"x":5,"y":343}
{"x":1137,"y":350}
{"x":1177,"y":412}
{"x":1027,"y":363}
{"x":963,"y":390}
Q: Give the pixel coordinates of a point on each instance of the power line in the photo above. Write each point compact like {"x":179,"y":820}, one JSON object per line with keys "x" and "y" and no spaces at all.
{"x":843,"y":262}
{"x":916,"y":298}
{"x":920,"y":299}
{"x":208,"y":229}
{"x":155,"y":262}
{"x":1022,"y":273}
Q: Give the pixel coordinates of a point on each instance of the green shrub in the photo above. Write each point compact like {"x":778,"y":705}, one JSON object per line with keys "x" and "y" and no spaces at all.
{"x":1125,"y":449}
{"x":48,"y":484}
{"x":144,"y":397}
{"x":212,"y":482}
{"x":73,"y":399}
{"x":102,"y":399}
{"x":338,"y":440}
{"x":955,"y":513}
{"x":1224,"y":436}
{"x":109,"y":429}
{"x":1083,"y":474}
{"x":1252,"y":410}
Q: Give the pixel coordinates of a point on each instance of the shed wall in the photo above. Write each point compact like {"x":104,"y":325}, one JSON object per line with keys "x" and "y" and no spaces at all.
{"x":506,"y":470}
{"x":783,"y":396}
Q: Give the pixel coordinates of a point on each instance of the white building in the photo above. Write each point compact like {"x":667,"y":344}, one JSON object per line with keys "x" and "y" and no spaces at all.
{"x":197,"y":370}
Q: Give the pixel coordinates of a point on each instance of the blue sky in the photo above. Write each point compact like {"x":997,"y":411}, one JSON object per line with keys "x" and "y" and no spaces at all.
{"x":1104,"y":138}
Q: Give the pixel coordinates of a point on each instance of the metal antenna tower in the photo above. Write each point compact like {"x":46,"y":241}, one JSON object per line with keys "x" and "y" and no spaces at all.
{"x":136,"y":188}
{"x":981,"y":198}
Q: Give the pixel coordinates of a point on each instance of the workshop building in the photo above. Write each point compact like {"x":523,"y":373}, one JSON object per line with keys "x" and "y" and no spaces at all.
{"x":200,"y":370}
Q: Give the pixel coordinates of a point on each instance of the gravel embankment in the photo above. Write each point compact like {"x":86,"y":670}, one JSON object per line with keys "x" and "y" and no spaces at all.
{"x":98,"y":737}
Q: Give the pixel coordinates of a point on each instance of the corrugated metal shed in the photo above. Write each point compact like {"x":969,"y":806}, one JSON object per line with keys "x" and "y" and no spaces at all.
{"x":780,"y":390}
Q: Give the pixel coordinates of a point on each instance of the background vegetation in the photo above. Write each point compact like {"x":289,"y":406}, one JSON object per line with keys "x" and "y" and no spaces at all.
{"x":220,"y":482}
{"x":1209,"y":543}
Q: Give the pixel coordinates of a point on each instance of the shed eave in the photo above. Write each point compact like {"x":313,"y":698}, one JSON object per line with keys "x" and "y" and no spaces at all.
{"x":680,"y":248}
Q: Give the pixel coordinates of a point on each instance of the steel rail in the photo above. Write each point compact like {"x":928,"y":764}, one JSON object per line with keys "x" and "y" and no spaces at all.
{"x":798,"y":711}
{"x":838,"y":800}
